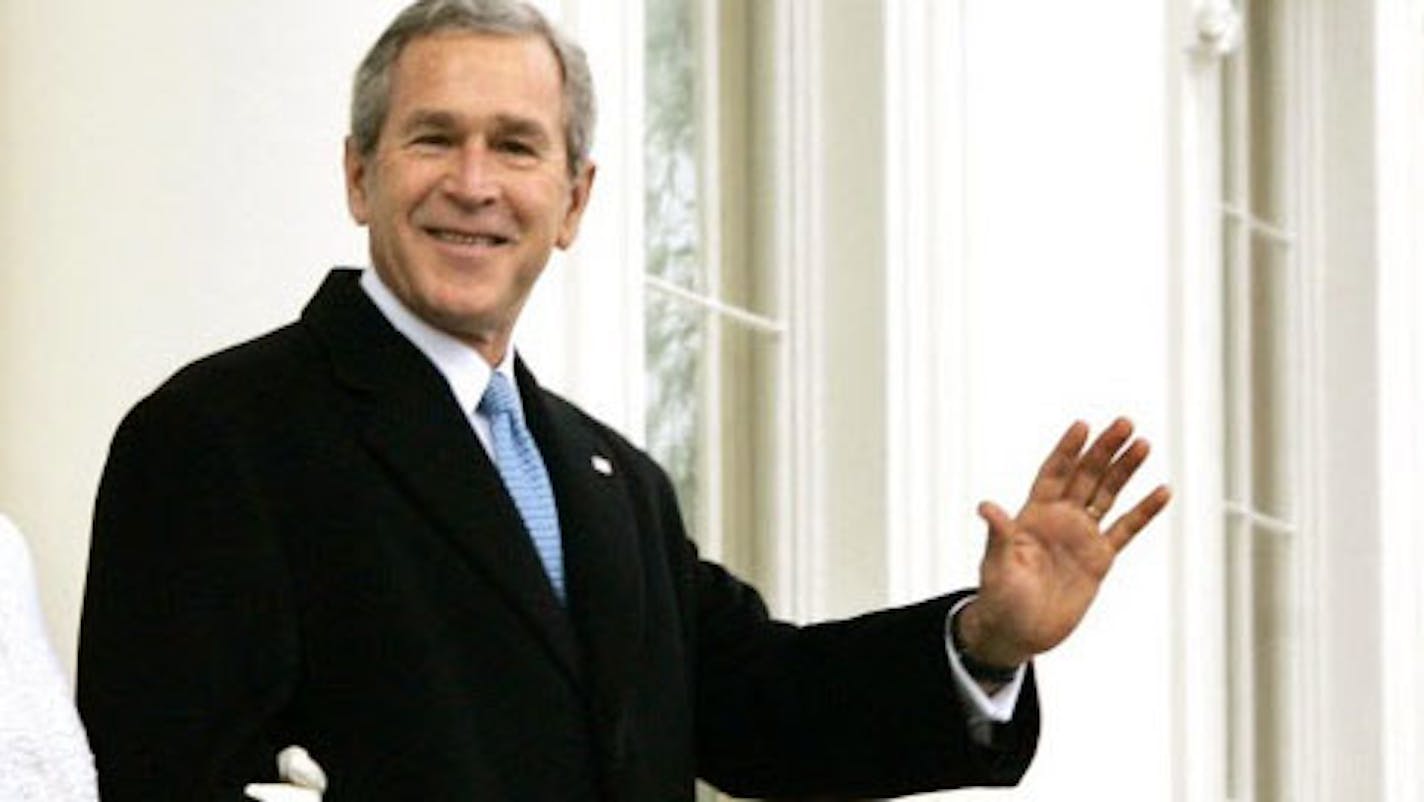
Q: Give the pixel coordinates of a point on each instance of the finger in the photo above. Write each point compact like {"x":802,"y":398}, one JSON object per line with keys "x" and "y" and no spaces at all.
{"x":1118,"y":474}
{"x":1088,"y":473}
{"x":1126,"y":528}
{"x":1000,"y":524}
{"x":1053,"y":476}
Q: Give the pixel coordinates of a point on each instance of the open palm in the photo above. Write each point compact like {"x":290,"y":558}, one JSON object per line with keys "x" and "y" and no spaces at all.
{"x":1043,"y":567}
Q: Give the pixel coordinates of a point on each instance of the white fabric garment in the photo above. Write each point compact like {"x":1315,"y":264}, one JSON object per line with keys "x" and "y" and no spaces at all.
{"x":44,"y":756}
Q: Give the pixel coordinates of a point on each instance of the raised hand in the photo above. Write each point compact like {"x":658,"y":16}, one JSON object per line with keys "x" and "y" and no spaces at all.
{"x":1042,"y":568}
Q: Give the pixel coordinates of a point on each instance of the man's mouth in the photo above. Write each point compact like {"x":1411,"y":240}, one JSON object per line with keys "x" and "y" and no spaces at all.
{"x":467,"y":238}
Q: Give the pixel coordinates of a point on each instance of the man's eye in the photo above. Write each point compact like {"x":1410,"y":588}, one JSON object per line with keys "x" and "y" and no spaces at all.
{"x":432,"y":140}
{"x":516,"y":147}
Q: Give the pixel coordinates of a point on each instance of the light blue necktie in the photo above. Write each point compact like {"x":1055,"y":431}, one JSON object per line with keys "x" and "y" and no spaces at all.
{"x":524,"y":475}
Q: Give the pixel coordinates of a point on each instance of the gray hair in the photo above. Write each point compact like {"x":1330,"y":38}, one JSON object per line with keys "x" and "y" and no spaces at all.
{"x":371,"y":93}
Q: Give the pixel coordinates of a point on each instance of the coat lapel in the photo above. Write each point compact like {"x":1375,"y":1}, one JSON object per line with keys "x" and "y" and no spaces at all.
{"x":601,"y":546}
{"x":410,"y":422}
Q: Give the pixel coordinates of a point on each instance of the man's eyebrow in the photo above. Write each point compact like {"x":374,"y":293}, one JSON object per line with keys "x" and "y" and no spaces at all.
{"x":511,"y":125}
{"x":428,"y":118}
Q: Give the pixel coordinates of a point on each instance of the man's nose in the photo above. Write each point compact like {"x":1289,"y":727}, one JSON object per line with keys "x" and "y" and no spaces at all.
{"x":474,"y":176}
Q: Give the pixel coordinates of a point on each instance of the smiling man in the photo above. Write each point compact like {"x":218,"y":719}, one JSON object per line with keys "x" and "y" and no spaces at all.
{"x":469,"y":183}
{"x":372,"y":534}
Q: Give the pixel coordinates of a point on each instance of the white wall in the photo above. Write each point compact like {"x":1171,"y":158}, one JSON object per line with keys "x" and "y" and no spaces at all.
{"x":169,"y":183}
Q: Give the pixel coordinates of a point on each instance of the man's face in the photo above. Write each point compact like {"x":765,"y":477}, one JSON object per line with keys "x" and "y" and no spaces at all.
{"x":469,"y":189}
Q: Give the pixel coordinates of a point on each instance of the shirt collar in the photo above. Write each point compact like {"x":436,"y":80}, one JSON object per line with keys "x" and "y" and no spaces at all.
{"x":462,"y":366}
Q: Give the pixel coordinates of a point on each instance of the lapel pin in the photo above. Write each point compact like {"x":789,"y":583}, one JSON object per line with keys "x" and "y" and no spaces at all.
{"x":602,"y":465}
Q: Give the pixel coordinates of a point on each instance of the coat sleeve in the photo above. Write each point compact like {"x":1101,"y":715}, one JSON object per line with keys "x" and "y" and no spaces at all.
{"x":864,"y":707}
{"x":188,"y":652}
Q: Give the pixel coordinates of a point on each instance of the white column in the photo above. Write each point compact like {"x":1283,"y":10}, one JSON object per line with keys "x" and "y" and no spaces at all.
{"x":1399,"y":92}
{"x":930,"y":506}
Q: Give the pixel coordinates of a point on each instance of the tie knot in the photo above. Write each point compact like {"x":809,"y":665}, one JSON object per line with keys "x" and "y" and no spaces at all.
{"x":499,"y":397}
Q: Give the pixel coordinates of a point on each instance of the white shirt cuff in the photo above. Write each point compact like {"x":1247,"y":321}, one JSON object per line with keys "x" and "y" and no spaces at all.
{"x":982,"y":708}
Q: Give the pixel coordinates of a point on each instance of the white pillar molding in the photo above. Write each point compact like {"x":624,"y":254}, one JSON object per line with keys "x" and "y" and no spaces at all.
{"x":929,"y":511}
{"x":799,"y":236}
{"x":825,"y":235}
{"x":1199,"y":724}
{"x":1343,"y":743}
{"x":1323,"y":597}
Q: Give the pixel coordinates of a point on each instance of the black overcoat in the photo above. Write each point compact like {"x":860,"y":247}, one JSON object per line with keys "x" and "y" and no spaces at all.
{"x":301,"y":541}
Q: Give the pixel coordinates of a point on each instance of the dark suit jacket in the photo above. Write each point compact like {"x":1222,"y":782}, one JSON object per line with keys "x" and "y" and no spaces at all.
{"x":300,"y":541}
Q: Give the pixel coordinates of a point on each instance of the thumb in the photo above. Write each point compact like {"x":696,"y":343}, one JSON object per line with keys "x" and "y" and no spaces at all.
{"x":1000,"y":524}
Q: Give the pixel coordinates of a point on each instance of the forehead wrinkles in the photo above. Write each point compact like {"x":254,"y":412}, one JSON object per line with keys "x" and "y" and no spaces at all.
{"x":463,"y":73}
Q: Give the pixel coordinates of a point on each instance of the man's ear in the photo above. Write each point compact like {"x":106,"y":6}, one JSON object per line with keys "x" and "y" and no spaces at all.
{"x":355,"y":166}
{"x":581,"y":187}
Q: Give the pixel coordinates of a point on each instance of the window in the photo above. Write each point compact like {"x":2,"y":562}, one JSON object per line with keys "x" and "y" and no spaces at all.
{"x":1266,"y":283}
{"x":716,"y":335}
{"x":1319,"y":143}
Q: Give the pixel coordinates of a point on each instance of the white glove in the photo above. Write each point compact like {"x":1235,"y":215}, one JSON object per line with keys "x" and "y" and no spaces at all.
{"x":304,"y":779}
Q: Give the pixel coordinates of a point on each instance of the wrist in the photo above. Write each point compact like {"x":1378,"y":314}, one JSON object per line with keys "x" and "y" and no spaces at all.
{"x":978,"y":652}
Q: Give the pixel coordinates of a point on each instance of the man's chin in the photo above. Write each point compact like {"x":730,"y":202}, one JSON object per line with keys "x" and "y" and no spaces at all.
{"x":475,"y":327}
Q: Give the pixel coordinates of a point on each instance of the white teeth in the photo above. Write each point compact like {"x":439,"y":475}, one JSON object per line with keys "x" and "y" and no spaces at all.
{"x":467,"y":239}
